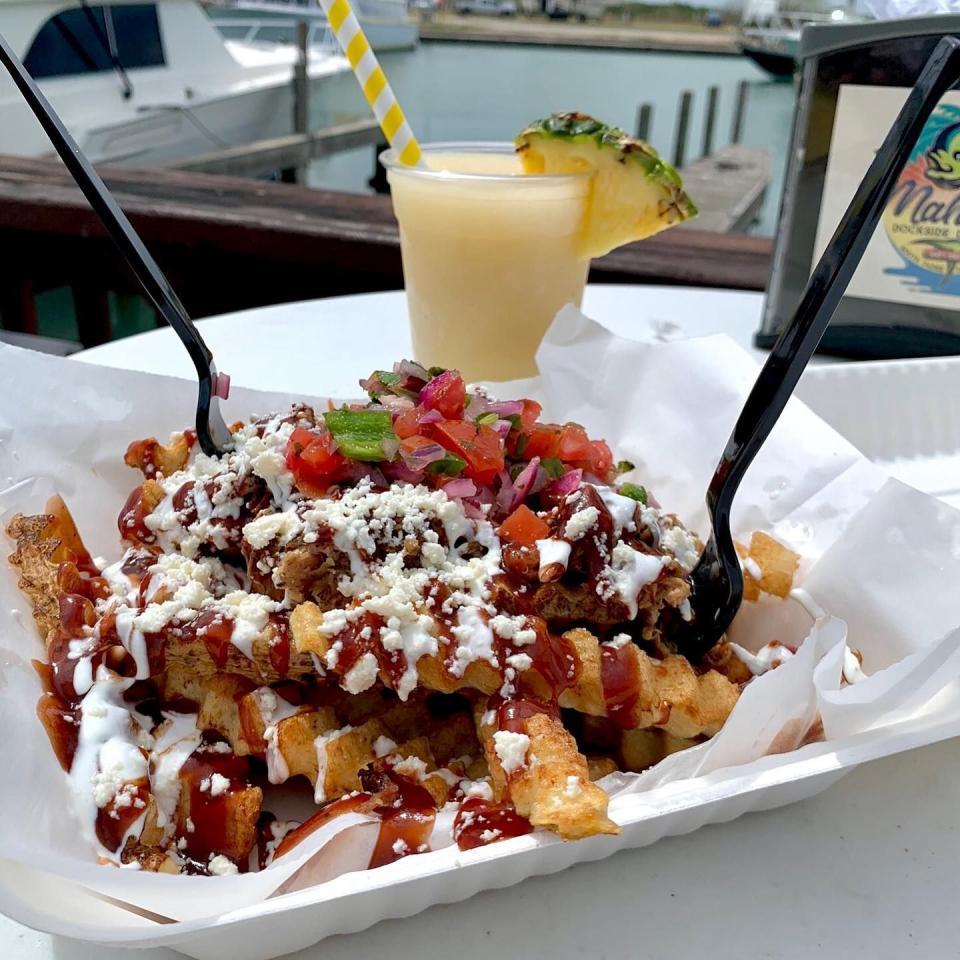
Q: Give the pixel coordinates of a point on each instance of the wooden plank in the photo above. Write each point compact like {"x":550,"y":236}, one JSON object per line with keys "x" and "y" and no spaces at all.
{"x":278,"y":153}
{"x":728,"y":188}
{"x":541,"y":32}
{"x":229,"y":244}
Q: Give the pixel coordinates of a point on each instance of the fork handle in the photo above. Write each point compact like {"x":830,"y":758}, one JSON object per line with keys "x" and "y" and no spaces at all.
{"x":212,"y":432}
{"x":799,"y":339}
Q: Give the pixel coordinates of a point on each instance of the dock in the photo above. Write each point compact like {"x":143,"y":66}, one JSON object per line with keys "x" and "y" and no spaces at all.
{"x":228,"y":244}
{"x":672,"y":38}
{"x":728,"y":187}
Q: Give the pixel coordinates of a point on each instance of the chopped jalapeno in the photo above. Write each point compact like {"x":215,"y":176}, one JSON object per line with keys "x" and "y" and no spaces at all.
{"x":363,"y":434}
{"x":634,"y":491}
{"x":450,"y":466}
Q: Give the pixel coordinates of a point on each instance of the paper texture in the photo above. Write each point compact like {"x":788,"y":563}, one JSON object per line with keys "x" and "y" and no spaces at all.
{"x":881,"y":559}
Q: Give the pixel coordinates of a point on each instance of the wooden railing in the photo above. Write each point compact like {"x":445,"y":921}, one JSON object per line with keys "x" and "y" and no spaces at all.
{"x":228,"y":244}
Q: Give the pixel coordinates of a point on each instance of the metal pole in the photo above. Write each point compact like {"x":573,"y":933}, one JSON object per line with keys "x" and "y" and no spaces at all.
{"x":709,"y":123}
{"x":739,"y":111}
{"x":301,"y":98}
{"x":644,"y":121}
{"x":683,"y":123}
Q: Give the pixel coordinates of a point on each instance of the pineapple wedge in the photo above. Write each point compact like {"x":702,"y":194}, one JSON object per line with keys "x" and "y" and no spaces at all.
{"x":634,"y":194}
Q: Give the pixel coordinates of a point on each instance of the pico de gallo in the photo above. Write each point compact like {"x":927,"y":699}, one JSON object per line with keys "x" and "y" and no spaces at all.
{"x":424,"y":426}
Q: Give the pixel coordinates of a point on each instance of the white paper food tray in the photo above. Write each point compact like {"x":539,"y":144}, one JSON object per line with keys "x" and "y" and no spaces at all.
{"x":356,"y":901}
{"x":902,"y":414}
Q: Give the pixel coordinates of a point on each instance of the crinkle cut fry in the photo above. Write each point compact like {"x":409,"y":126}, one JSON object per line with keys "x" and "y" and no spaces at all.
{"x":552,"y":787}
{"x":313,"y":739}
{"x":670,"y":693}
{"x":42,"y":542}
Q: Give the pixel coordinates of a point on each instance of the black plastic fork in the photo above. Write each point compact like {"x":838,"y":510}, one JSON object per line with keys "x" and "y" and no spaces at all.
{"x":717,"y":579}
{"x":212,"y":432}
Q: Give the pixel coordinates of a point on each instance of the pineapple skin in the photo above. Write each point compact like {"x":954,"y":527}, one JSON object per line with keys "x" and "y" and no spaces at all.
{"x":584,"y":131}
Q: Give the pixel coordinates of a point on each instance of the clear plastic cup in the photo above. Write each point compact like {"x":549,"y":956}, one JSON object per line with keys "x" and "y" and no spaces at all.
{"x":489,"y":255}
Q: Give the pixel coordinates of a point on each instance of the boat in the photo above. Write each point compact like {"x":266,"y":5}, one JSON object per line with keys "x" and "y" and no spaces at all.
{"x":770,"y":34}
{"x":151,"y":83}
{"x":385,"y":22}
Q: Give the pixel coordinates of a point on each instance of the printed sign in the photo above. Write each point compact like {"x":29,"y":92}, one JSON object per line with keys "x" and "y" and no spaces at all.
{"x":914,"y":255}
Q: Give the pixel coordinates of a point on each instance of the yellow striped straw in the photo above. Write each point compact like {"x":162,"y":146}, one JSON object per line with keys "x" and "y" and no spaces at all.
{"x":372,"y":80}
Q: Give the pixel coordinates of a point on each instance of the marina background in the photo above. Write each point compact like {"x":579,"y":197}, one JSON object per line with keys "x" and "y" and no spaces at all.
{"x":483,"y":91}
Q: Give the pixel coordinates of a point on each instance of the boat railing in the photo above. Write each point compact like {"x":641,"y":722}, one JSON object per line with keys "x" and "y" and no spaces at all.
{"x":272,"y":31}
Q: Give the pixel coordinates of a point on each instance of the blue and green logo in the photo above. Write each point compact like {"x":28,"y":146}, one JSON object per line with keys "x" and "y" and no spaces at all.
{"x":922,"y":219}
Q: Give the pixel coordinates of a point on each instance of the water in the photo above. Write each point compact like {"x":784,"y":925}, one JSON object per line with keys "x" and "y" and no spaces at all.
{"x":472,"y":91}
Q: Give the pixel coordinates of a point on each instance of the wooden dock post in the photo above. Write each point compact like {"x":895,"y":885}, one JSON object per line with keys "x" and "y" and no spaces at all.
{"x":644,"y":120}
{"x":739,"y":111}
{"x":710,"y":121}
{"x":683,"y":124}
{"x":301,"y":100}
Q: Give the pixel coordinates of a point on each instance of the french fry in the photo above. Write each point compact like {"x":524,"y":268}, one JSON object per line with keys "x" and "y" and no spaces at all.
{"x":552,"y":786}
{"x":670,"y":694}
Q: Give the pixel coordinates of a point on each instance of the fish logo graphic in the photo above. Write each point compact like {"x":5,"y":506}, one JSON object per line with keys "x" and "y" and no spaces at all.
{"x":922,"y":219}
{"x":943,"y":161}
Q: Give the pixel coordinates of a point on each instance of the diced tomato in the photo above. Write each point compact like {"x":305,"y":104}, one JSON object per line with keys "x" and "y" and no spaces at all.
{"x":543,"y":441}
{"x":601,"y":459}
{"x":529,"y":415}
{"x":407,"y":424}
{"x":523,"y":527}
{"x":574,"y":444}
{"x":446,"y":394}
{"x":481,"y":447}
{"x":313,"y":461}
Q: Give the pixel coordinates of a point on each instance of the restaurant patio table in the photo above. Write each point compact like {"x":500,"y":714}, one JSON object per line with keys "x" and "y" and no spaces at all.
{"x":864,"y":870}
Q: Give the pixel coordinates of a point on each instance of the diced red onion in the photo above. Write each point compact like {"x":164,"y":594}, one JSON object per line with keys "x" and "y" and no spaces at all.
{"x":506,"y":408}
{"x":543,"y":478}
{"x":505,"y":494}
{"x":477,"y":407}
{"x":399,"y":472}
{"x":430,"y":391}
{"x":503,"y":427}
{"x":390,"y":447}
{"x":396,"y":405}
{"x":523,"y":483}
{"x":422,"y":457}
{"x":652,"y":501}
{"x":410,"y":368}
{"x":565,"y":484}
{"x":473,"y":512}
{"x":461,"y":487}
{"x":374,"y":474}
{"x":431,"y":416}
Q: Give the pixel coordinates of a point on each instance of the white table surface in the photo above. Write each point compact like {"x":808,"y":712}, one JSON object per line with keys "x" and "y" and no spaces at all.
{"x":865,"y":870}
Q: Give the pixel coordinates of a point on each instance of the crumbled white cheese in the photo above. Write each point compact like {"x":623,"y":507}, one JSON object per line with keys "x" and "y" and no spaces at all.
{"x":582,"y":521}
{"x":412,"y":767}
{"x":476,"y":788}
{"x":678,"y":542}
{"x":262,"y":531}
{"x":383,"y":746}
{"x":520,"y":662}
{"x":573,"y":788}
{"x":753,"y":568}
{"x":362,"y":675}
{"x":511,"y":749}
{"x":220,"y":866}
